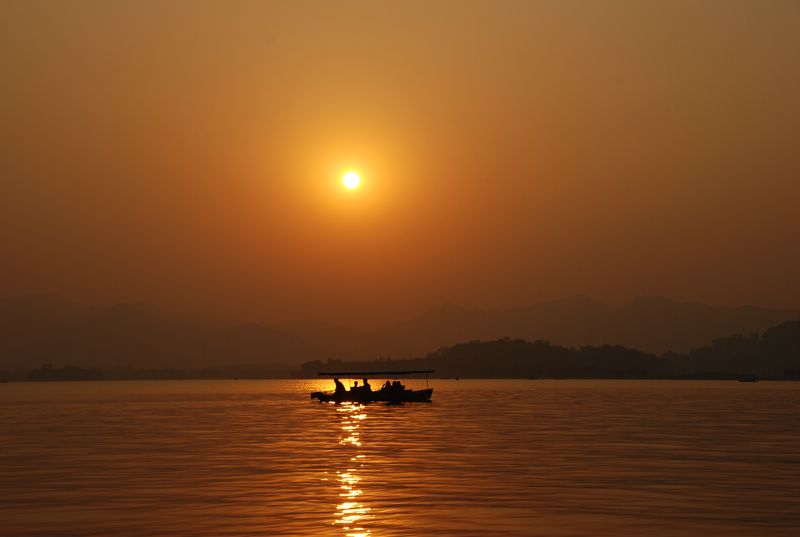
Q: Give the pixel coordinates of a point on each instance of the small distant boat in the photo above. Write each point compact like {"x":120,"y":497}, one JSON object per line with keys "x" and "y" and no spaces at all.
{"x":748,"y":379}
{"x":393,"y":394}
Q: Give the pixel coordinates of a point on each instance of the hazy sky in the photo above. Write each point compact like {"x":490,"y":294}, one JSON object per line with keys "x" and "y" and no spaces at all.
{"x":189,"y":154}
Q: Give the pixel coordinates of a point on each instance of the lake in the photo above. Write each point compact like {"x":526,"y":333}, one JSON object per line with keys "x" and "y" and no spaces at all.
{"x":484,"y":458}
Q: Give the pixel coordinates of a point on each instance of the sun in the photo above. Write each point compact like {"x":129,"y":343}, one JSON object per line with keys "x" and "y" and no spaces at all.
{"x":351,"y":180}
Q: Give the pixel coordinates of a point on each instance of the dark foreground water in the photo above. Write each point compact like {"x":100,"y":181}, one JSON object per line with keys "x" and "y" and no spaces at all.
{"x":488,"y":458}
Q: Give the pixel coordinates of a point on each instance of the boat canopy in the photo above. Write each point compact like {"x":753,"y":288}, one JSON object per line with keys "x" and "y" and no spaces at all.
{"x":372,"y":373}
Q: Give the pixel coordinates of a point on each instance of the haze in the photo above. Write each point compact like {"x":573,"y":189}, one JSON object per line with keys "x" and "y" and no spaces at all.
{"x":189,"y":154}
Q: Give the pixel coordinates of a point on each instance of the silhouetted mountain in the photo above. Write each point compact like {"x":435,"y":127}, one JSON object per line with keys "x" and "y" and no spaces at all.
{"x":652,"y":324}
{"x":35,"y":330}
{"x":659,"y":325}
{"x":776,"y":355}
{"x":579,"y":320}
{"x":38,"y":329}
{"x":513,"y":358}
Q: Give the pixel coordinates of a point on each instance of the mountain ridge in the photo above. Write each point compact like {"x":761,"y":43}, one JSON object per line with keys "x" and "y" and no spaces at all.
{"x":36,"y":329}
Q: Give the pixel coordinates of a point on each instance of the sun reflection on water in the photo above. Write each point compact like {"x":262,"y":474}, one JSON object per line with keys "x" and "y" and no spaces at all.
{"x":351,"y":513}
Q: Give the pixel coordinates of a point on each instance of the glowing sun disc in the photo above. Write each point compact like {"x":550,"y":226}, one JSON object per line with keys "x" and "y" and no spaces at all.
{"x":351,"y":180}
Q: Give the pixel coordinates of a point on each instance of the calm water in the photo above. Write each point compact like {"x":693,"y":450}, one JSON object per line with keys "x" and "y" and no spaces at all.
{"x":488,"y":458}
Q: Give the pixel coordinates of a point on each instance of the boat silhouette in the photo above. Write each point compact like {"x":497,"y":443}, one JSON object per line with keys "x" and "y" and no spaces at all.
{"x":390,"y":392}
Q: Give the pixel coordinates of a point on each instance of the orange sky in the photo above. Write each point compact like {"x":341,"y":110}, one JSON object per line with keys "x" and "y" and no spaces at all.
{"x":188,"y":153}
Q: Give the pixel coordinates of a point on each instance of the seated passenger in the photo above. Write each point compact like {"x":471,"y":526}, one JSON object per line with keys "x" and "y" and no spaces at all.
{"x":387,"y":386}
{"x":367,"y":387}
{"x":340,"y":389}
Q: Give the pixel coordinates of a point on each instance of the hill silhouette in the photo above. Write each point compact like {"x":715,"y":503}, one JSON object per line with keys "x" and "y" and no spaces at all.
{"x":38,"y":329}
{"x":46,"y":329}
{"x":652,"y":324}
{"x":773,"y":355}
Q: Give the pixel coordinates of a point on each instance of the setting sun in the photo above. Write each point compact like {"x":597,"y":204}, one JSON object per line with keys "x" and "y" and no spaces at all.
{"x":351,"y":180}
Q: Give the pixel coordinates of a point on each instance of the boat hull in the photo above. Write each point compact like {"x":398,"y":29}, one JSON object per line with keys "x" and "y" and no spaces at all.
{"x":406,"y":396}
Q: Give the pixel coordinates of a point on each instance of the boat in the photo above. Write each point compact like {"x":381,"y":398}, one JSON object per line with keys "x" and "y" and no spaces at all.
{"x":390,"y":395}
{"x":406,"y":396}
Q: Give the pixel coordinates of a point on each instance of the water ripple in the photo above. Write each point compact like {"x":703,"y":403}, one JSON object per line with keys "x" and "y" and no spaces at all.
{"x":485,"y":458}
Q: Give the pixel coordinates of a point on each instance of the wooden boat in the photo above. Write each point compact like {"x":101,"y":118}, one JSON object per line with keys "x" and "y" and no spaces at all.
{"x":389,"y":395}
{"x":405,"y":396}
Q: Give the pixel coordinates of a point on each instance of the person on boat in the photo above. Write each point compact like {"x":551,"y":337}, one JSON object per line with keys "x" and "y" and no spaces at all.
{"x":387,"y":386}
{"x":367,"y":387}
{"x":340,"y":389}
{"x":355,"y":387}
{"x":397,"y":386}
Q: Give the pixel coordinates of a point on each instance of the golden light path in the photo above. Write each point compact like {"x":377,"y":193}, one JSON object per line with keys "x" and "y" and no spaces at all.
{"x":350,"y":514}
